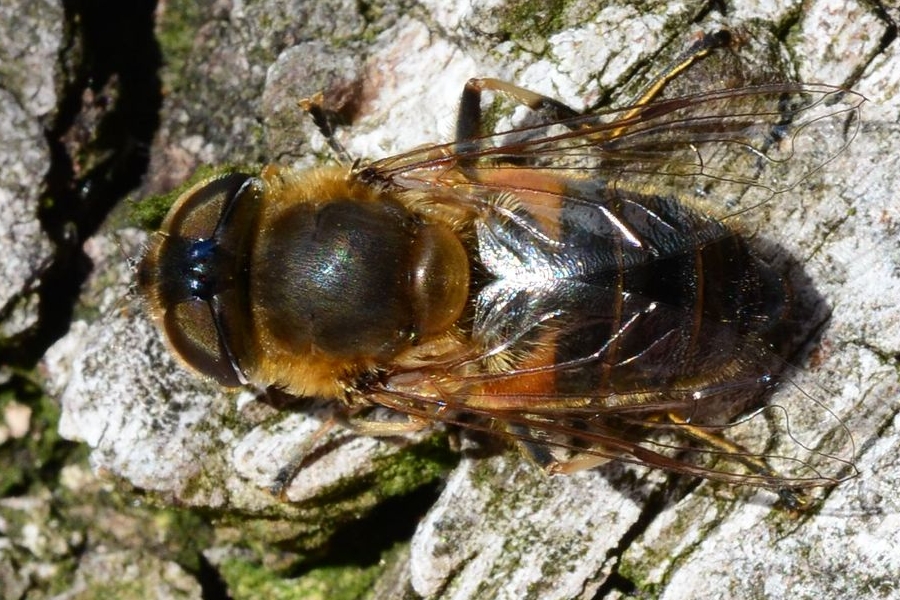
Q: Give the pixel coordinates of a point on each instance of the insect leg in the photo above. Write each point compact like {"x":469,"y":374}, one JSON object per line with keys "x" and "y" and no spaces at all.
{"x":700,"y":49}
{"x":534,"y":451}
{"x":697,"y":51}
{"x":468,"y":123}
{"x":372,"y":428}
{"x":579,"y":462}
{"x":730,"y":448}
{"x":540,"y":454}
{"x":364,"y":427}
{"x":287,"y":473}
{"x":793,"y":498}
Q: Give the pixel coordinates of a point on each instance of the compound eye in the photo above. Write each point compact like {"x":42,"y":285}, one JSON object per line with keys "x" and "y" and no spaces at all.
{"x":191,"y":330}
{"x":192,"y":274}
{"x":198,"y":211}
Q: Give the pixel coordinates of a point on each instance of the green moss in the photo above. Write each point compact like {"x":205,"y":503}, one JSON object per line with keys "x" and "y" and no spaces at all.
{"x":116,"y":588}
{"x":185,"y":534}
{"x":132,"y":576}
{"x":306,"y":528}
{"x":251,"y":579}
{"x":531,"y":22}
{"x":638,"y":574}
{"x":696,"y":520}
{"x":35,"y":458}
{"x":176,"y":33}
{"x":411,"y":469}
{"x":394,"y":475}
{"x":67,"y":511}
{"x":149,"y":213}
{"x":124,"y":518}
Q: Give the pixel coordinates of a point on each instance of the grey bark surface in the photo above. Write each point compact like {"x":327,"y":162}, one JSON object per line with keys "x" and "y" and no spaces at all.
{"x":498,"y":528}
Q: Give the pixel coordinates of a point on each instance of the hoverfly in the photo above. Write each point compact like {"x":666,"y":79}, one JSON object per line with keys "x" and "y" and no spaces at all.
{"x":550,"y":283}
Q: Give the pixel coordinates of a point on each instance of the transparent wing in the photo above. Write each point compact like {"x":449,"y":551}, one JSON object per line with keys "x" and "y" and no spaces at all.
{"x":727,"y":150}
{"x":602,"y":190}
{"x":754,"y":427}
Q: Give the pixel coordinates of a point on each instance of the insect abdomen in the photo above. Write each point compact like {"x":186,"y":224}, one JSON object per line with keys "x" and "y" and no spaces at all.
{"x":639,"y":294}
